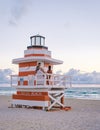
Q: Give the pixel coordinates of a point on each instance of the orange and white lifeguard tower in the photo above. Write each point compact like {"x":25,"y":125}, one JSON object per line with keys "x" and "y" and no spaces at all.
{"x":33,"y":89}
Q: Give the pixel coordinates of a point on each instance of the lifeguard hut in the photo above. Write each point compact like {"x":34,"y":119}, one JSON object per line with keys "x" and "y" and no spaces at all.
{"x":35,"y":89}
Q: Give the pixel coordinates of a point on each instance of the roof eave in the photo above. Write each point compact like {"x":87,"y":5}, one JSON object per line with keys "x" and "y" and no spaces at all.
{"x":30,"y":59}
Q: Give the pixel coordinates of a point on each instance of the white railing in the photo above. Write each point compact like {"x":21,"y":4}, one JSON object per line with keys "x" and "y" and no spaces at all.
{"x":47,"y":80}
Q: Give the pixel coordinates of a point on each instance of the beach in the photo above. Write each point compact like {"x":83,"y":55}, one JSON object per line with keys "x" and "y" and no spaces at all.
{"x":84,"y":115}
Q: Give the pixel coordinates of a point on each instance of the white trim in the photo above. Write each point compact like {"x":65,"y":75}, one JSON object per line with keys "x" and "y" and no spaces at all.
{"x":34,"y":51}
{"x":31,"y":68}
{"x":31,"y":90}
{"x":55,"y":91}
{"x":40,"y":87}
{"x":30,"y":103}
{"x":37,"y":58}
{"x":25,"y":69}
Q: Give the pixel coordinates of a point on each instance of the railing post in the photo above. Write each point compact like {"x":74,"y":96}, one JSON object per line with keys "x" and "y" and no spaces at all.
{"x":45,"y":79}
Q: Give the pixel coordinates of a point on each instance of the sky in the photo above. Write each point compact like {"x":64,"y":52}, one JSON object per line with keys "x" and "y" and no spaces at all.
{"x":71,"y":29}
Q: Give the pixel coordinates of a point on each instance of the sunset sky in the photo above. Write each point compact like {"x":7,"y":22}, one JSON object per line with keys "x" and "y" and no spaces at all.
{"x":71,"y":28}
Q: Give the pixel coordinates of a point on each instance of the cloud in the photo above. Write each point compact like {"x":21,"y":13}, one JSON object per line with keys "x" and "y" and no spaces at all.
{"x":5,"y":75}
{"x":18,"y":10}
{"x":87,"y":78}
{"x":77,"y":76}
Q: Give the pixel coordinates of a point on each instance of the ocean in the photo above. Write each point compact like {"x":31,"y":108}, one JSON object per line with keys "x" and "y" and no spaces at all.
{"x":79,"y":91}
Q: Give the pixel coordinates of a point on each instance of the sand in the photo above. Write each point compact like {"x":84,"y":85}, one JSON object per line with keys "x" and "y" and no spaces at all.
{"x":84,"y":115}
